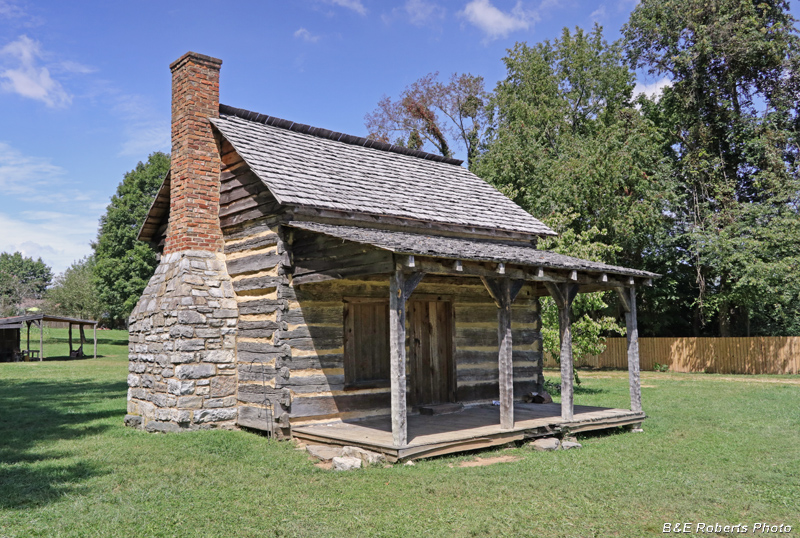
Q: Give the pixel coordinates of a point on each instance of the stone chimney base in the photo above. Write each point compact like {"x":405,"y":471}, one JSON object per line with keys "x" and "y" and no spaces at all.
{"x":182,"y":347}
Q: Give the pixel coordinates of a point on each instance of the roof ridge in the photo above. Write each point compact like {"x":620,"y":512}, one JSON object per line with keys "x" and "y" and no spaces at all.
{"x":332,"y":135}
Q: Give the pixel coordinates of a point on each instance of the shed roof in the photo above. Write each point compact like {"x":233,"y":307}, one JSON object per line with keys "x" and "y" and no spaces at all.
{"x":16,"y":320}
{"x":312,"y":167}
{"x":457,"y":248}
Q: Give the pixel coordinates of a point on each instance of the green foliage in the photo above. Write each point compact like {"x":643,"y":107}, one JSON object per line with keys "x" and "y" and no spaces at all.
{"x":567,"y":145}
{"x":21,"y":278}
{"x":731,"y":124}
{"x":590,"y":324}
{"x":74,"y":293}
{"x":566,"y":139}
{"x":123,"y":264}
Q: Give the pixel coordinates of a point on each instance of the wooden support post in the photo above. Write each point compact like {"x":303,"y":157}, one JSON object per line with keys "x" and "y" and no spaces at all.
{"x":504,"y":364}
{"x":83,"y":339}
{"x":563,"y":295}
{"x":95,"y":340}
{"x":70,"y":339}
{"x":633,"y":353}
{"x":399,"y":291}
{"x":41,"y":340}
{"x":504,"y":292}
{"x":28,"y":346}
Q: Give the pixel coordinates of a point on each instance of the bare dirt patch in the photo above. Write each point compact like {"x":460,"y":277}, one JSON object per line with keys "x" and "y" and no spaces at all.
{"x":483,"y":462}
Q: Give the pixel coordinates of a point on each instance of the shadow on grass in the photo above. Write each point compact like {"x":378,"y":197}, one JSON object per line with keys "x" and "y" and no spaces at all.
{"x":35,"y":415}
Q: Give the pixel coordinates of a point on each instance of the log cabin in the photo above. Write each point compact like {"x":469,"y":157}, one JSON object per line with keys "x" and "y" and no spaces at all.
{"x":340,"y":290}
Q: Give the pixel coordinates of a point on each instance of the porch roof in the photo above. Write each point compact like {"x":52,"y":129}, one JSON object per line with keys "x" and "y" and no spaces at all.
{"x":457,"y":248}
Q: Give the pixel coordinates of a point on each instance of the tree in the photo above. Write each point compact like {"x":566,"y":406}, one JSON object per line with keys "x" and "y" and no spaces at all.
{"x":123,"y":265}
{"x":74,"y":293}
{"x":21,"y":278}
{"x":566,"y":143}
{"x":589,"y":321}
{"x":566,"y":139}
{"x":731,"y":120}
{"x":413,"y":120}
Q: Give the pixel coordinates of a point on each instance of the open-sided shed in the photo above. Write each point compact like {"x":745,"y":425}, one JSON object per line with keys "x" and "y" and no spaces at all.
{"x":11,"y":335}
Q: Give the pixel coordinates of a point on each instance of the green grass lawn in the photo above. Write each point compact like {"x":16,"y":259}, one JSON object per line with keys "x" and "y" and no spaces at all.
{"x":716,"y":449}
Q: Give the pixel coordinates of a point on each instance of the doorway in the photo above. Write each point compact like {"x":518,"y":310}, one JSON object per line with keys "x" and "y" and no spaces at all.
{"x":431,"y":368}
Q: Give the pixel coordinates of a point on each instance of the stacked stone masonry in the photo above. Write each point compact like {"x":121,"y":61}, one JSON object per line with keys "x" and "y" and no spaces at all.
{"x":182,"y":346}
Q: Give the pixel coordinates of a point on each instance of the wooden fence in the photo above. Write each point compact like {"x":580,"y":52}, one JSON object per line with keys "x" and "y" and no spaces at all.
{"x":754,"y":355}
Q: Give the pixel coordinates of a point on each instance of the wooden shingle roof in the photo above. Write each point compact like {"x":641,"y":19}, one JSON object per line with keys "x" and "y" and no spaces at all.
{"x":316,"y":168}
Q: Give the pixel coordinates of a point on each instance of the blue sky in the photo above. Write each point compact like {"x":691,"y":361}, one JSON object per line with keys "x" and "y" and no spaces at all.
{"x":85,"y":86}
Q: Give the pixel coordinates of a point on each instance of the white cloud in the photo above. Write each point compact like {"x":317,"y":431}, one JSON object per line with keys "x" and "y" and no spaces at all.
{"x":75,"y":67}
{"x":145,"y":131}
{"x":305,"y":35}
{"x":8,"y":10}
{"x":495,"y":23}
{"x":58,"y":238}
{"x":20,"y":174}
{"x":653,"y":91}
{"x":355,"y":5}
{"x":422,"y":12}
{"x":29,"y":79}
{"x":598,"y":14}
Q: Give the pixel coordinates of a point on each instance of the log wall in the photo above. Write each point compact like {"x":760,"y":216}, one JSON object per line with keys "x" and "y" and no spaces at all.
{"x":315,"y":337}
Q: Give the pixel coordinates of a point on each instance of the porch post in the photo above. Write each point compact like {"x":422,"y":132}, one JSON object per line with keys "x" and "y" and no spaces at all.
{"x":400,"y":290}
{"x":82,"y":333}
{"x":563,"y":295}
{"x":633,"y":352}
{"x":397,"y":356}
{"x":41,"y":340}
{"x":28,"y":346}
{"x":504,"y":291}
{"x":504,"y":363}
{"x":95,"y":340}
{"x":70,"y":338}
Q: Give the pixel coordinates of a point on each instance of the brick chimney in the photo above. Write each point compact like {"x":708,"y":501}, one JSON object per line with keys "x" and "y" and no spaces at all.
{"x":182,"y":333}
{"x":194,"y":196}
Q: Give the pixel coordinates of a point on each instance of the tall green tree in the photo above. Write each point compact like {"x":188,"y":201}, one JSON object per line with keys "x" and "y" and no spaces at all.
{"x":21,"y":278}
{"x":731,"y":123}
{"x":568,"y":144}
{"x":124,"y":265}
{"x":566,"y":139}
{"x":74,"y":293}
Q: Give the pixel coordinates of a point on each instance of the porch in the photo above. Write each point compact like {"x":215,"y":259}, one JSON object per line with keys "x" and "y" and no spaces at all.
{"x":323,"y":252}
{"x":471,"y":428}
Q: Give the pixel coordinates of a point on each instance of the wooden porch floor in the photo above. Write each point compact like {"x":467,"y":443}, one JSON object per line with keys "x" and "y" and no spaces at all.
{"x":472,"y":428}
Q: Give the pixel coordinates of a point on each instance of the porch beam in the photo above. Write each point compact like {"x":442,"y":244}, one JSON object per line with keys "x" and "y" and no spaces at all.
{"x":633,"y":352}
{"x":400,"y":289}
{"x":504,"y":291}
{"x":563,"y":295}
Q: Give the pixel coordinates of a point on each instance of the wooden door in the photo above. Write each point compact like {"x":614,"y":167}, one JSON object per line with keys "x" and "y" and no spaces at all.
{"x":430,"y":355}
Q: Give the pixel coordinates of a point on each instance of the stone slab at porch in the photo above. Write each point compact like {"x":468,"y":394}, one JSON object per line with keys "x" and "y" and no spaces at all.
{"x":472,"y":428}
